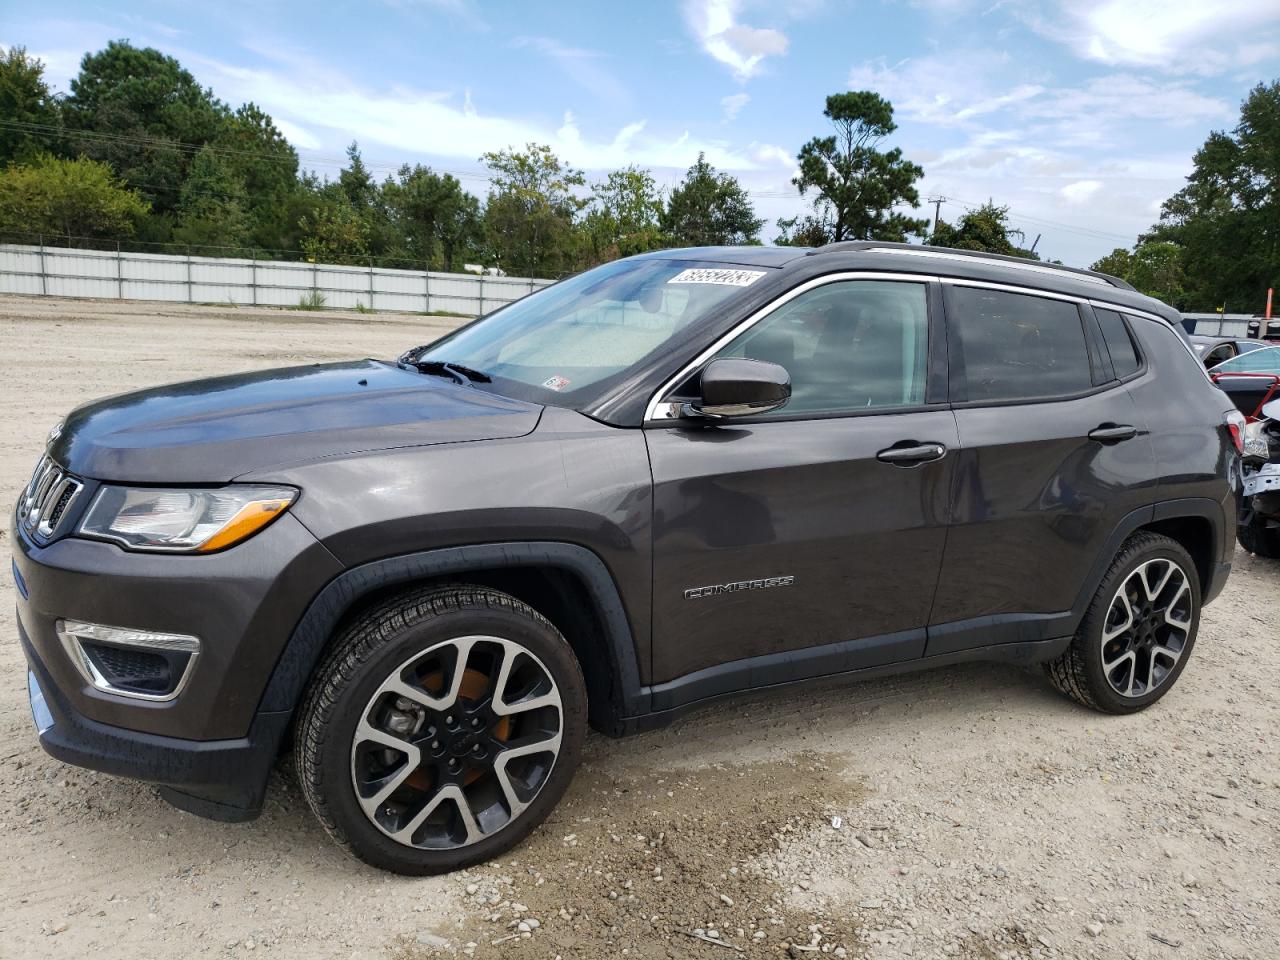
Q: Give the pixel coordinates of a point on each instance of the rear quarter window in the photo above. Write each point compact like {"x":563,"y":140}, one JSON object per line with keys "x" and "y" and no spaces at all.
{"x":1124,"y":355}
{"x":1014,"y":346}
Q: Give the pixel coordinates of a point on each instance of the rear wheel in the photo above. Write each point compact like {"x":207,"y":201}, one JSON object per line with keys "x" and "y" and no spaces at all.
{"x":444,"y":726}
{"x":1138,"y":632}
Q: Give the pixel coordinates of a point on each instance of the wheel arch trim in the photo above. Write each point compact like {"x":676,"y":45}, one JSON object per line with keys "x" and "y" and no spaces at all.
{"x":1196,"y":508}
{"x":311,"y":635}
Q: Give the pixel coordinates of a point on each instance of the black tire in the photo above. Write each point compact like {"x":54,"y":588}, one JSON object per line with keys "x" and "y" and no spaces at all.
{"x":1257,"y":538}
{"x":1079,"y":672}
{"x":376,"y":645}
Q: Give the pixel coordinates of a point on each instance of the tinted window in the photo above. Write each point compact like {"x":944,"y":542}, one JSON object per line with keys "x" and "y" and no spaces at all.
{"x":849,"y":346}
{"x":1124,"y":356}
{"x":1013,"y":346}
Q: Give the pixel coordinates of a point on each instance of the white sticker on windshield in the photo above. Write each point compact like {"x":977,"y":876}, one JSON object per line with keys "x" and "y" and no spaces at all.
{"x":731,"y":278}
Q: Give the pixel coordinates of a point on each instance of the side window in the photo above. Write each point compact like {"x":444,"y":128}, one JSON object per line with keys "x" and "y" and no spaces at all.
{"x":1124,"y":356}
{"x":849,"y":346}
{"x":1014,"y":346}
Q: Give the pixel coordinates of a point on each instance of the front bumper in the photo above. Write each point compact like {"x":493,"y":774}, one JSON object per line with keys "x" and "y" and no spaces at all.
{"x":242,"y":604}
{"x":221,"y":779}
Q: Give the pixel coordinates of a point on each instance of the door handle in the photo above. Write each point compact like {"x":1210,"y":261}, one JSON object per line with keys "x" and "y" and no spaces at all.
{"x":1113,"y":433}
{"x":916,"y":453}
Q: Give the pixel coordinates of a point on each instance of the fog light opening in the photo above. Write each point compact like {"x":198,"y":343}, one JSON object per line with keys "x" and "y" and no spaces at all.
{"x":127,"y":662}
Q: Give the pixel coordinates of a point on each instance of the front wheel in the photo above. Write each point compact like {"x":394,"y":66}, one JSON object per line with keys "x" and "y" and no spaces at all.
{"x":1137,"y":633}
{"x":442,"y":727}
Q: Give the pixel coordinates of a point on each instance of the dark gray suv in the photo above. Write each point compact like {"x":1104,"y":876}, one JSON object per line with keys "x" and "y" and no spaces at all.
{"x":671,"y":478}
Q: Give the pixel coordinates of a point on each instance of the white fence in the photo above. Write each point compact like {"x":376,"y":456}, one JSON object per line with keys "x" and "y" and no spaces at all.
{"x":63,"y":272}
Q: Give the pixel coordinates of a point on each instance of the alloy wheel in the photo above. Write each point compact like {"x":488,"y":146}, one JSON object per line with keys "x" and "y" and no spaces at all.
{"x":1146,"y":628}
{"x":457,"y":742}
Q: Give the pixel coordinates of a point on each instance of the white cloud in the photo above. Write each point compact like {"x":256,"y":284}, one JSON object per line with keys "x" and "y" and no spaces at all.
{"x":1178,"y":36}
{"x":1081,"y":191}
{"x":733,"y":104}
{"x":584,"y":67}
{"x":772,"y":155}
{"x":740,"y":47}
{"x":331,"y":108}
{"x":298,"y":135}
{"x":969,"y":87}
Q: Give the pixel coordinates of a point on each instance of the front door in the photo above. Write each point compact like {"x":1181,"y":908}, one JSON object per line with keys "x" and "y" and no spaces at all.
{"x":806,"y":541}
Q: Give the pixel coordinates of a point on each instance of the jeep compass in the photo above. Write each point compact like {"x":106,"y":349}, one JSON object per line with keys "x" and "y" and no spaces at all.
{"x":669,"y":479}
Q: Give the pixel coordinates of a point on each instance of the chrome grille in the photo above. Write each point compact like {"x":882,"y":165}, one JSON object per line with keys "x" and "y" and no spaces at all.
{"x":47,"y":499}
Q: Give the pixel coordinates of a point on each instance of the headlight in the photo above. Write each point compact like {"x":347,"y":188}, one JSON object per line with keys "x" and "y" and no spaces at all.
{"x":181,"y":520}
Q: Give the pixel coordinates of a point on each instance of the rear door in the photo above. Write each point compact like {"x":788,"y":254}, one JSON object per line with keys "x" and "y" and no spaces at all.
{"x":1053,"y":454}
{"x":804,"y":541}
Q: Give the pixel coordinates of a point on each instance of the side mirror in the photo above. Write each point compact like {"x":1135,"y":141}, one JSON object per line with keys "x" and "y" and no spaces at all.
{"x":736,"y":387}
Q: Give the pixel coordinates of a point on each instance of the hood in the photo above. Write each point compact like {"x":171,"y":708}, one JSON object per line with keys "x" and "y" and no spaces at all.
{"x":212,"y":431}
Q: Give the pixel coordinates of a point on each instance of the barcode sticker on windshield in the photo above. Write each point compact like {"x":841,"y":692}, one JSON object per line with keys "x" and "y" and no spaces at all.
{"x":731,"y":278}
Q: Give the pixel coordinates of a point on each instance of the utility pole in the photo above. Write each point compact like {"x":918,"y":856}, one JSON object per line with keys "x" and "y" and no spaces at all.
{"x":937,"y":210}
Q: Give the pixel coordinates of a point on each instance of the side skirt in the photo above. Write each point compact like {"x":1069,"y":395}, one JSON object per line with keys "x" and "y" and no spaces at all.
{"x":1029,"y":652}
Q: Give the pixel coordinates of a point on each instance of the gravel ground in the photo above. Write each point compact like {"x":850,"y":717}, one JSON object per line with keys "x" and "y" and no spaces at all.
{"x":981,"y":815}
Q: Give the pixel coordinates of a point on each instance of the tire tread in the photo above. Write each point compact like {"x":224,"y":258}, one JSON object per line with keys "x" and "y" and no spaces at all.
{"x":360,"y":639}
{"x":1068,"y":672}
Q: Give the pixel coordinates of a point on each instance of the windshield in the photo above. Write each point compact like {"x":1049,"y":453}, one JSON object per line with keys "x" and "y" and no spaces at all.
{"x":1266,"y":360}
{"x":574,"y":335}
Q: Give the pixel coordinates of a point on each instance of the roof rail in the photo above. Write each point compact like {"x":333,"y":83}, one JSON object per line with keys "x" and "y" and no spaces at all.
{"x":947,"y":253}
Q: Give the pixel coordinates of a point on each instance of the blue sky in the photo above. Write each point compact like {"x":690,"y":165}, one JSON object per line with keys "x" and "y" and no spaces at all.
{"x":1080,"y":115}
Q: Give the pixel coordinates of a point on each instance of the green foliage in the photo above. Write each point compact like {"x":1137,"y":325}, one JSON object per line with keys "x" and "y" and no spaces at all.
{"x":1115,"y":264}
{"x":432,"y":218}
{"x":531,"y":211}
{"x":213,"y":209}
{"x":623,"y":218}
{"x":335,"y":233}
{"x":986,"y":229}
{"x":709,"y":208}
{"x":1154,"y":268}
{"x":809,"y":231}
{"x":142,"y":113}
{"x":857,"y":186}
{"x":24,"y":99}
{"x":69,"y":198}
{"x":1226,"y":220}
{"x":264,"y":164}
{"x":313,"y":300}
{"x":1157,"y":271}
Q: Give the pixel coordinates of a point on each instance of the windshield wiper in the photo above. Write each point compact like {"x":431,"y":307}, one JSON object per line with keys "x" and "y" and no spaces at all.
{"x":443,"y":368}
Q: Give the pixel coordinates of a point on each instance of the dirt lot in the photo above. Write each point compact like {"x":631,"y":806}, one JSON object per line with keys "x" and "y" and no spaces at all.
{"x":982,"y":815}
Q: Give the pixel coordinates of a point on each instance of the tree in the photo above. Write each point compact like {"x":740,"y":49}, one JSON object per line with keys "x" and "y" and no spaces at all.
{"x":141,"y":112}
{"x":1115,"y":264}
{"x":1226,"y":221}
{"x":710,"y":209}
{"x":335,"y":233}
{"x":531,"y":211}
{"x":28,"y":108}
{"x":809,"y":231}
{"x":623,"y":219}
{"x":857,"y":186}
{"x":213,"y":209}
{"x":258,"y":156}
{"x":356,"y":181}
{"x":79,"y":198}
{"x":986,"y":229}
{"x":433,"y":219}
